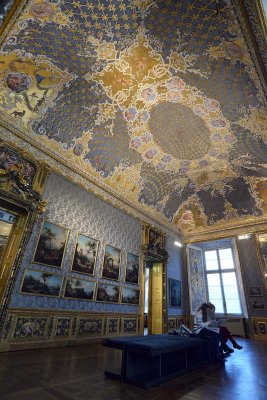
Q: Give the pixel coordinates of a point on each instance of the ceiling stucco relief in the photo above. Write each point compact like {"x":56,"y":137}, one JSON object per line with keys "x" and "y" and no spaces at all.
{"x":159,"y":101}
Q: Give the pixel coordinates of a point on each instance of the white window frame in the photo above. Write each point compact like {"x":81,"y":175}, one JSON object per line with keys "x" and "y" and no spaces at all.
{"x":220,"y":272}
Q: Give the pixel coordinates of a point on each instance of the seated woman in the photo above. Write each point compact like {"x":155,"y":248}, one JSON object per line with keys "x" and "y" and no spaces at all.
{"x":224,"y":332}
{"x":202,"y":327}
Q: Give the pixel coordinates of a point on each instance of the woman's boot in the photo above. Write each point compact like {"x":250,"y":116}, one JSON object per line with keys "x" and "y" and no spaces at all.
{"x":235,"y":344}
{"x":227,"y":349}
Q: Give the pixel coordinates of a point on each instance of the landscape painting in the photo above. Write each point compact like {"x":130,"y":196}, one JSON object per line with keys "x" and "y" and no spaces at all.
{"x":79,"y":289}
{"x":130,"y":296}
{"x":108,"y":293}
{"x":111,"y":264}
{"x":258,"y":305}
{"x":51,"y":245}
{"x":85,"y":255}
{"x":41,"y":283}
{"x":175,"y":299}
{"x":132,"y":269}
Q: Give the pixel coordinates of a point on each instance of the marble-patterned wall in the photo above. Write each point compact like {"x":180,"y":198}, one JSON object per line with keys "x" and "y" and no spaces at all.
{"x":81,"y":212}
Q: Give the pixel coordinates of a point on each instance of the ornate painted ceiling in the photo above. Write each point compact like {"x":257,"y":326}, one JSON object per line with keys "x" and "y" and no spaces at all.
{"x":159,"y":102}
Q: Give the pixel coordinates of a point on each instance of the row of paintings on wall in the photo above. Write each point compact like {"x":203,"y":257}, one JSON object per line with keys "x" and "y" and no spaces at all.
{"x":51,"y":247}
{"x":42,"y":283}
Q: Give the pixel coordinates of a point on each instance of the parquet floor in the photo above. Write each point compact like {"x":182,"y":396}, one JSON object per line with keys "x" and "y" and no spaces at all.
{"x":77,"y":373}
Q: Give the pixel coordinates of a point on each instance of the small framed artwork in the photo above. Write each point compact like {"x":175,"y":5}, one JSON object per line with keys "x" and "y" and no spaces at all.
{"x":130,"y":296}
{"x":258,"y":305}
{"x":40,"y":283}
{"x":262,"y":328}
{"x":79,"y":289}
{"x":85,"y":255}
{"x":155,"y":238}
{"x":111,"y":264}
{"x":108,"y":293}
{"x":51,"y":245}
{"x":255,"y":291}
{"x":132,"y":269}
{"x":129,"y":325}
{"x":175,"y":298}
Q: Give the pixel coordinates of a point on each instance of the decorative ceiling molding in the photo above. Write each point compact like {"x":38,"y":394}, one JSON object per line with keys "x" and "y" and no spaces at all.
{"x":159,"y":105}
{"x":253,"y":25}
{"x":13,"y":135}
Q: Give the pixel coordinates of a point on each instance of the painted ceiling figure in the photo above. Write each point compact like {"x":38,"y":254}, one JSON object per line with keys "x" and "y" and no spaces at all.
{"x":161,"y":102}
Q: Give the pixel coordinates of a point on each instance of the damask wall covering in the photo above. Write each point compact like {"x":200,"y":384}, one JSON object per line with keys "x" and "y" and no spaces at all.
{"x":112,"y":88}
{"x":80,"y":212}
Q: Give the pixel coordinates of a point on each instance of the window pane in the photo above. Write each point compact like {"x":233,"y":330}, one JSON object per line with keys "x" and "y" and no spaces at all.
{"x":226,"y":258}
{"x":211,"y":260}
{"x":215,"y":293}
{"x":211,"y":255}
{"x":231,"y":293}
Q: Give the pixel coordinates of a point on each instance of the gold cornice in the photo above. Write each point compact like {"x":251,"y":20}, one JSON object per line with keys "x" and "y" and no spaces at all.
{"x":222,"y":231}
{"x":101,"y":191}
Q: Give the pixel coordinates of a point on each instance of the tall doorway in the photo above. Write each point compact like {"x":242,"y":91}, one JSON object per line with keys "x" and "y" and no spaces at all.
{"x":12,"y":225}
{"x":154,"y":298}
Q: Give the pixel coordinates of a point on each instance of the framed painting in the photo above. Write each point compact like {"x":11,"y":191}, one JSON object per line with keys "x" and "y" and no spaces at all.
{"x":51,"y":245}
{"x":40,"y":283}
{"x":155,"y":238}
{"x":84,"y":258}
{"x":130,"y":296}
{"x":108,"y":293}
{"x":258,"y":305}
{"x":111,"y":264}
{"x":132,"y":269}
{"x":262,"y":328}
{"x":255,"y":291}
{"x":79,"y":289}
{"x":175,"y":298}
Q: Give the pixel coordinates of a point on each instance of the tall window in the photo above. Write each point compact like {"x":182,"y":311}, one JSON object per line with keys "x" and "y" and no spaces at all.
{"x":221,"y":281}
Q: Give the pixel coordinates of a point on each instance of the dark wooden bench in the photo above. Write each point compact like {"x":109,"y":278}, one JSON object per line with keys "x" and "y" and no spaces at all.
{"x":150,"y":360}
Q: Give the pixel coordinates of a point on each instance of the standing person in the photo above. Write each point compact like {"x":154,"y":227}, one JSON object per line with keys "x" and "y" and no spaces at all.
{"x":224,"y":332}
{"x":202,"y":327}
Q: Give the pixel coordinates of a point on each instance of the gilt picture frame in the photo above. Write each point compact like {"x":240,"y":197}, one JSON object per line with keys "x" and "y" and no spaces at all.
{"x":107,"y":293}
{"x":257,"y":305}
{"x":111,"y":263}
{"x":130,"y":296}
{"x":255,"y":291}
{"x":79,"y":289}
{"x":175,"y":293}
{"x":85,"y":254}
{"x":40,"y":283}
{"x":51,"y":245}
{"x":132,"y":269}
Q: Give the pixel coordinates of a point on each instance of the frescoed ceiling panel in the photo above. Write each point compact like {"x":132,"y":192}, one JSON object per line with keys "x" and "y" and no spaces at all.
{"x":160,"y":102}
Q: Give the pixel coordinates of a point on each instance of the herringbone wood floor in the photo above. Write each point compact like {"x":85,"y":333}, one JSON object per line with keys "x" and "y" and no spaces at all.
{"x":77,"y":373}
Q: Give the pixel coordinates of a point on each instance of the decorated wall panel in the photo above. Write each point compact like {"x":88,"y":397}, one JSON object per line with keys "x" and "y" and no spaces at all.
{"x":46,"y":279}
{"x":113,"y":90}
{"x":196,"y":278}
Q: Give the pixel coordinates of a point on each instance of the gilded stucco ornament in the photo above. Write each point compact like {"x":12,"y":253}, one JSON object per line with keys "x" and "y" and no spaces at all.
{"x":158,"y":105}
